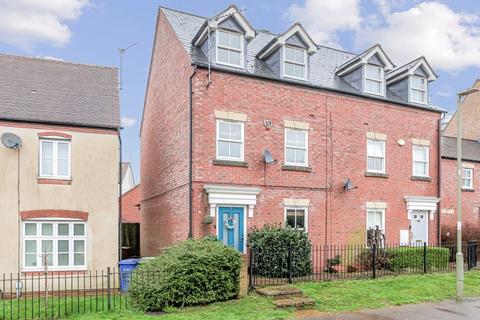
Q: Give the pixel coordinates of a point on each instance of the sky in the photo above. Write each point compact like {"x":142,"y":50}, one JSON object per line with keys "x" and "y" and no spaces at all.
{"x":447,"y":33}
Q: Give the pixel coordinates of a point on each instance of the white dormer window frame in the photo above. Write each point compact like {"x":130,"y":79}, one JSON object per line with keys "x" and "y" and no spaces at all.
{"x":422,"y":91}
{"x":294,"y":62}
{"x":380,"y":81}
{"x":229,"y":48}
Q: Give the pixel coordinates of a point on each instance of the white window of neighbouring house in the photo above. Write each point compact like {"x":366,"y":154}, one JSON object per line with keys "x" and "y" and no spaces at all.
{"x":467,"y":178}
{"x":295,"y":63}
{"x":420,"y":161}
{"x":418,"y":89}
{"x":229,"y":48}
{"x":62,"y":243}
{"x":296,"y":217}
{"x":230,"y":140}
{"x":374,"y":82}
{"x":296,"y":147}
{"x":54,"y":158}
{"x":376,"y":218}
{"x":375,"y":156}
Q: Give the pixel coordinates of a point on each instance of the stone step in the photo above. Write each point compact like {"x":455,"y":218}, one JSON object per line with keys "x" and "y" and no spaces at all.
{"x":279,"y":292}
{"x":298,"y":302}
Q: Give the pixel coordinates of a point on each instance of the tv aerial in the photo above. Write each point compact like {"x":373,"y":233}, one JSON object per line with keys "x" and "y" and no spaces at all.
{"x":122,"y":53}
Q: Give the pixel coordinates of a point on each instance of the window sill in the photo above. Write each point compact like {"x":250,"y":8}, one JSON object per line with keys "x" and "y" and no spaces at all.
{"x":468,"y":190}
{"x":230,"y":163}
{"x":376,"y":175}
{"x":58,"y":181}
{"x":419,"y":178}
{"x":296,"y":168}
{"x":60,"y":272}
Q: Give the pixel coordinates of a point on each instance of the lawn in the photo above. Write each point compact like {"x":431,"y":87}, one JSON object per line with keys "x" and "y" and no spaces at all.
{"x":335,"y":296}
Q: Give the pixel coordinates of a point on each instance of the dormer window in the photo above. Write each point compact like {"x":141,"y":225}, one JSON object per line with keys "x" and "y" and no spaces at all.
{"x":295,"y":63}
{"x":229,"y":48}
{"x":418,"y":89}
{"x":374,"y":79}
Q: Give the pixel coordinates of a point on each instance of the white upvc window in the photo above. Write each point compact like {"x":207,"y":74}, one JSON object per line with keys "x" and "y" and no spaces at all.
{"x":54,"y":159}
{"x":418,"y":89}
{"x":420,"y":157}
{"x":467,"y":178}
{"x":63,"y":244}
{"x":376,"y":218}
{"x":297,"y":218}
{"x":229,"y":48}
{"x":374,"y":79}
{"x":296,"y":147}
{"x":295,"y":63}
{"x":375,"y":156}
{"x":230,"y":140}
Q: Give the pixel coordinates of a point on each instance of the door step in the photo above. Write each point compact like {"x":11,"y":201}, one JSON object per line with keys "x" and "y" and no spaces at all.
{"x":297,"y":302}
{"x":286,"y":297}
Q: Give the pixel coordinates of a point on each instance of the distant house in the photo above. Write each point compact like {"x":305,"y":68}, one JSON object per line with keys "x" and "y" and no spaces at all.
{"x":58,"y":188}
{"x":131,"y":220}
{"x":242,"y":127}
{"x":128,"y":180}
{"x":470,"y":164}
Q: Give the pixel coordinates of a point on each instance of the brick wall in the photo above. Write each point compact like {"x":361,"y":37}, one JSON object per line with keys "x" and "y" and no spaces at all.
{"x":470,"y":199}
{"x":165,"y":144}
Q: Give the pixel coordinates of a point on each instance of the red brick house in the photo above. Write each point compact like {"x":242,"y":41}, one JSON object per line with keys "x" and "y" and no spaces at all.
{"x":470,"y":164}
{"x":131,"y":221}
{"x":242,"y":127}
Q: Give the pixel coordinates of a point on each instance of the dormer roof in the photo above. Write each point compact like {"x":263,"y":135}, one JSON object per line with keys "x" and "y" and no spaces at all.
{"x":293,"y":35}
{"x":375,"y":53}
{"x":232,"y":12}
{"x":417,"y":66}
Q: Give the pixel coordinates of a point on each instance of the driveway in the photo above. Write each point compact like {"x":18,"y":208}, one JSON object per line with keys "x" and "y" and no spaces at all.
{"x":445,"y":310}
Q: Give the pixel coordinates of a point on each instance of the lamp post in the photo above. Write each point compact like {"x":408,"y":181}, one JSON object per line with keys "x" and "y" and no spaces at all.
{"x":459,"y":255}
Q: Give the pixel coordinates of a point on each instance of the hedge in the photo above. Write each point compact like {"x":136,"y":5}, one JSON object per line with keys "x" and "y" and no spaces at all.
{"x":270,"y":247}
{"x":189,"y":273}
{"x":412,"y":257}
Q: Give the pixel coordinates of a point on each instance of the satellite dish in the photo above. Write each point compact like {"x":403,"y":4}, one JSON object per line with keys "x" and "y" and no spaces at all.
{"x":11,"y":141}
{"x":348,"y":185}
{"x":267,"y":156}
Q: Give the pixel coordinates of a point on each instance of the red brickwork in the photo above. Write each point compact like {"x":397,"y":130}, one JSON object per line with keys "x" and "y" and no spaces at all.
{"x":131,"y":206}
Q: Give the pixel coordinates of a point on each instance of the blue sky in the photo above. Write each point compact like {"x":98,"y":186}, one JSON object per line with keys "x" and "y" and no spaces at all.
{"x":91,"y":31}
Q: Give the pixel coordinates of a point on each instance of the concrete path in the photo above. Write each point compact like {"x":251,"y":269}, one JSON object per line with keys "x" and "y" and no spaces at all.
{"x":445,"y":310}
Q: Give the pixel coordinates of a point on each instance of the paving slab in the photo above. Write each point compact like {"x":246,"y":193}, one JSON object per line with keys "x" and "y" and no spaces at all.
{"x":469,"y":308}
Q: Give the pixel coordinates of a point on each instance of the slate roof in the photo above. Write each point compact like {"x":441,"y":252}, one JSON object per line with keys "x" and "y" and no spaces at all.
{"x":470,"y":149}
{"x":323,"y":64}
{"x":57,"y":92}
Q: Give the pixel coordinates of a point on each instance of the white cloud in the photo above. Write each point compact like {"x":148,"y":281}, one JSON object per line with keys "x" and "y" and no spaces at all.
{"x":323,"y":18}
{"x":449,"y":40}
{"x":24,"y":23}
{"x":127,"y":122}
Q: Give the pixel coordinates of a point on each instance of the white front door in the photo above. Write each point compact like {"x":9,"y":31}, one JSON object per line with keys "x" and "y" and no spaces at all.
{"x":419,"y":223}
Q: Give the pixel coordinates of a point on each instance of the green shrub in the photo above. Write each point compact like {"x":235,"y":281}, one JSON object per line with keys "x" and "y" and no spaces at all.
{"x":189,"y":273}
{"x":364,"y":259}
{"x":412,"y":258}
{"x":270,"y":246}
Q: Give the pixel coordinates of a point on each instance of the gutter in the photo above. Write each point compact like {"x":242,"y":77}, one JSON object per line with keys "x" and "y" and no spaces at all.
{"x":308,"y":85}
{"x":190,"y":158}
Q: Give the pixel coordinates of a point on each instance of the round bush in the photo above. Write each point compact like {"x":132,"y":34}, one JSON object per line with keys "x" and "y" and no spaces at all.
{"x":270,"y":246}
{"x":191,"y":272}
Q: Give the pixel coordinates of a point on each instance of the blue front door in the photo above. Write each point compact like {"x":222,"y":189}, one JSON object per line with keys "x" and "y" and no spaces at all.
{"x":230,"y":226}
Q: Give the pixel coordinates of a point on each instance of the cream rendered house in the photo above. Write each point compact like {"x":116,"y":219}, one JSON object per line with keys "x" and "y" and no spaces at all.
{"x":59,"y":188}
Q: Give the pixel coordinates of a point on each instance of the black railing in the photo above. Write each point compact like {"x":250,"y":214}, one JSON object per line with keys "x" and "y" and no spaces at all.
{"x":354,"y":262}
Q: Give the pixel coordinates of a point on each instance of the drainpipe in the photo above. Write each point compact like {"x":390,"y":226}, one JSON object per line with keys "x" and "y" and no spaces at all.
{"x":119,"y":195}
{"x":190,"y":158}
{"x":439,"y":236}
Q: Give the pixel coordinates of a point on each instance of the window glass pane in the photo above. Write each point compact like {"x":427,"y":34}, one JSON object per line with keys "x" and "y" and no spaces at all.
{"x":289,"y":69}
{"x":300,"y":156}
{"x":47,"y":251}
{"x":300,"y":139}
{"x":222,"y":55}
{"x":47,"y":229}
{"x":78,"y":246}
{"x":235,"y":150}
{"x":63,"y":259}
{"x":300,"y":219}
{"x":299,"y":56}
{"x":223,"y":130}
{"x":31,"y":246}
{"x":79,"y":259}
{"x":373,"y":86}
{"x":63,"y":229}
{"x":290,"y":138}
{"x":234,"y":41}
{"x":30,"y":253}
{"x":223,"y":38}
{"x":298,"y":71}
{"x":419,"y":154}
{"x":223,"y":149}
{"x":235,"y":58}
{"x":236,"y":131}
{"x":375,"y":148}
{"x":30,"y":260}
{"x":47,"y":158}
{"x":420,"y":168}
{"x":78,"y":229}
{"x":290,"y":155}
{"x":63,"y":246}
{"x":62,"y":161}
{"x":289,"y":53}
{"x":30,"y":229}
{"x":373,"y":72}
{"x":291,"y":218}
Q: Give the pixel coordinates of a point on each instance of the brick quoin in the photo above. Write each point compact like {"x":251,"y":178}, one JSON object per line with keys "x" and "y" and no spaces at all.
{"x":337,"y":151}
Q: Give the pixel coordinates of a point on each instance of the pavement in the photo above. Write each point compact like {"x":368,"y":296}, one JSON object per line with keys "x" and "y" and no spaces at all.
{"x":469,"y":308}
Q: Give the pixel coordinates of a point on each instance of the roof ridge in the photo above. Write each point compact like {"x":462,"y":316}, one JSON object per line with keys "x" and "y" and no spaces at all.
{"x":183,"y":12}
{"x":336,"y":49}
{"x":40,"y":59}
